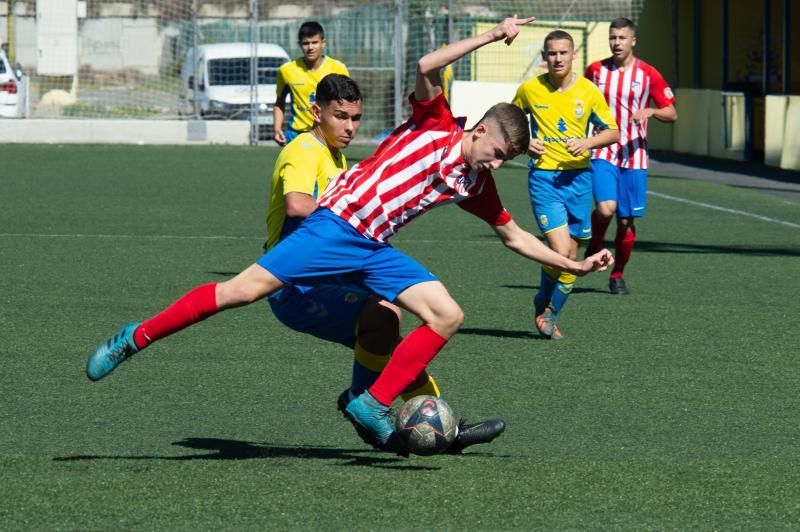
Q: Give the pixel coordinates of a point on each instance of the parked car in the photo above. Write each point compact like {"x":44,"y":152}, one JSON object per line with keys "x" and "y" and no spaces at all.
{"x":222,"y":88}
{"x":13,"y":89}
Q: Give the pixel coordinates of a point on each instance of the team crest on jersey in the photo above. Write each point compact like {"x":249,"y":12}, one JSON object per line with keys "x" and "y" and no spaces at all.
{"x":543,"y":220}
{"x":465,"y":182}
{"x":668,"y":93}
{"x":578,"y":109}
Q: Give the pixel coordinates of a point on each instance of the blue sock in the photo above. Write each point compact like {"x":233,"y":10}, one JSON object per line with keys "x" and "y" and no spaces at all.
{"x":545,"y":293}
{"x":560,"y":295}
{"x":363,"y":378}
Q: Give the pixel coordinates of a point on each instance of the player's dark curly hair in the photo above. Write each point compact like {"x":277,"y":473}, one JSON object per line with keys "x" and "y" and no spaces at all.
{"x":512,"y":123}
{"x":337,"y":88}
{"x":310,"y":29}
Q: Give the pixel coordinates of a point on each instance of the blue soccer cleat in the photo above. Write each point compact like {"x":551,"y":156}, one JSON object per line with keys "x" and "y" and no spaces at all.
{"x":112,"y":353}
{"x":371,"y":420}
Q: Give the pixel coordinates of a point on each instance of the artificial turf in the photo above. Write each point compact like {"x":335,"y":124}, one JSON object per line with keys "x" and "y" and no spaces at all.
{"x":673,"y":408}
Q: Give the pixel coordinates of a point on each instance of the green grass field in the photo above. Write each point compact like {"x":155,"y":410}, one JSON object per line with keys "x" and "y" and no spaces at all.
{"x":675,"y":408}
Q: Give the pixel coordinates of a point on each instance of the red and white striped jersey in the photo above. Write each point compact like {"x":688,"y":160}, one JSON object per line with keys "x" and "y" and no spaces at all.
{"x":417,"y":167}
{"x":626,"y":92}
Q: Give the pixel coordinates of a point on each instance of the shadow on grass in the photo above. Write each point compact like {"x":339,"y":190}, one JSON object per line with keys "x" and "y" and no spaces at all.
{"x":222,"y":449}
{"x":768,"y":189}
{"x":501,"y":333}
{"x":576,"y":290}
{"x":680,"y":247}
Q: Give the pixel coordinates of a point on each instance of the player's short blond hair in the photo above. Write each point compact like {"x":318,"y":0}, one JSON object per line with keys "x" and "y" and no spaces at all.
{"x":512,"y":123}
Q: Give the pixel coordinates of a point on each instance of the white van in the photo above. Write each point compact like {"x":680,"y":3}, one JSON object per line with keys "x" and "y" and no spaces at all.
{"x":222,"y":87}
{"x":13,"y":89}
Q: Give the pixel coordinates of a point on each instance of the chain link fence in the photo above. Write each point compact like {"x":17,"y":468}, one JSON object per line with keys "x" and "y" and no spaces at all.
{"x":99,"y":59}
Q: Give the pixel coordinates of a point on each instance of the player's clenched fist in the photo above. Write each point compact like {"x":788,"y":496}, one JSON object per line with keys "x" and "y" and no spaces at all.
{"x":597,"y":262}
{"x":509,"y":28}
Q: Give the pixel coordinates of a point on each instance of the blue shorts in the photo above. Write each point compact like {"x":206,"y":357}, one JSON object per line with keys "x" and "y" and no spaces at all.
{"x":329,"y":312}
{"x":325,"y":249}
{"x":562,"y":198}
{"x":626,"y":186}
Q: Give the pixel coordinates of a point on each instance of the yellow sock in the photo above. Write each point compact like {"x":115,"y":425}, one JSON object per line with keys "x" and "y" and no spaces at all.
{"x":552,"y":272}
{"x":429,"y":388}
{"x":370,"y":360}
{"x":567,"y":278}
{"x":376,"y":363}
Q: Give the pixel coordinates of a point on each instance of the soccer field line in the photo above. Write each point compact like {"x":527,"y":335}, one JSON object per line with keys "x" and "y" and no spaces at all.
{"x":201,"y":237}
{"x":723,"y":209}
{"x":704,"y":205}
{"x":234,"y":237}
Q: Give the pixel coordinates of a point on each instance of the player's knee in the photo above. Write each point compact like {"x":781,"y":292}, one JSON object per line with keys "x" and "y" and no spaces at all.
{"x":235,"y":293}
{"x":448,"y":320}
{"x":606,"y":209}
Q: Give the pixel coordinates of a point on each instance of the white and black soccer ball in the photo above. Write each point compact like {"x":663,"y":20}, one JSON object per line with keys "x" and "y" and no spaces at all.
{"x":426,"y":424}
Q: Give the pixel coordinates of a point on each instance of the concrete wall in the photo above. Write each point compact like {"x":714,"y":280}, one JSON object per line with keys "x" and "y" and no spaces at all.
{"x":121,"y":43}
{"x":709,"y":123}
{"x":124,"y":131}
{"x":106,"y":44}
{"x":782,"y":131}
{"x":473,"y":98}
{"x":745,"y":34}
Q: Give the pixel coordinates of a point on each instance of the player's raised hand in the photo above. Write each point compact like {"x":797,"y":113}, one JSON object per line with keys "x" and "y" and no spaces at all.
{"x":509,"y":28}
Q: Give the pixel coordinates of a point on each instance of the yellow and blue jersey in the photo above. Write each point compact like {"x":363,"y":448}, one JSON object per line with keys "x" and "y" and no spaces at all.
{"x":301,"y":83}
{"x":305,"y":165}
{"x":559,"y":116}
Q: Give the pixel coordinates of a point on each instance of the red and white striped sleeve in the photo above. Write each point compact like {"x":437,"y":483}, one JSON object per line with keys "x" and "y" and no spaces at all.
{"x":660,"y":91}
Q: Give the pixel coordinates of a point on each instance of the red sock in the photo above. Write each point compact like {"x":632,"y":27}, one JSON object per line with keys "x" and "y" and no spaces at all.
{"x":196,"y":305}
{"x":623,"y":247}
{"x":409,"y":359}
{"x":599,"y":227}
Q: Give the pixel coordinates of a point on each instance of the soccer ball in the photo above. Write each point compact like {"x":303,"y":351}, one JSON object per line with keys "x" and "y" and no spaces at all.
{"x":426,"y":424}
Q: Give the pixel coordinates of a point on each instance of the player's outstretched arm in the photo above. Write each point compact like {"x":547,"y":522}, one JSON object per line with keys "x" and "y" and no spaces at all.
{"x":429,"y":81}
{"x":520,"y":241}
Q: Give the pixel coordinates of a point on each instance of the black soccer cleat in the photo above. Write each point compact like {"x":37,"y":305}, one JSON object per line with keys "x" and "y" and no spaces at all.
{"x":616,"y":285}
{"x":476,"y":433}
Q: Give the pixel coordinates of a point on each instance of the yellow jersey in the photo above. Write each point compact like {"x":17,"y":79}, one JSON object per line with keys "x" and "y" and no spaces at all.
{"x":304,"y":165}
{"x":300,"y":82}
{"x":559,"y":116}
